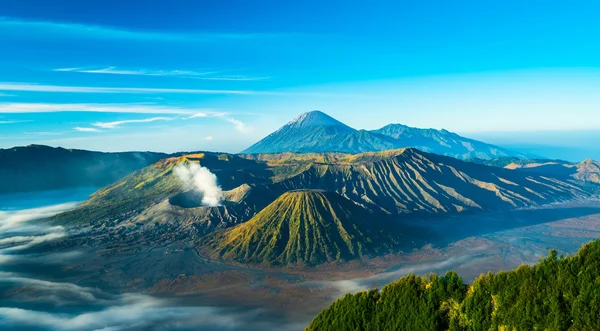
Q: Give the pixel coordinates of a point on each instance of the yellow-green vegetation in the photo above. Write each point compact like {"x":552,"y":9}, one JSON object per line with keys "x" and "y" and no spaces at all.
{"x":304,"y":227}
{"x":558,"y":293}
{"x":131,"y":194}
{"x":281,"y":159}
{"x":589,"y":171}
{"x":148,"y":186}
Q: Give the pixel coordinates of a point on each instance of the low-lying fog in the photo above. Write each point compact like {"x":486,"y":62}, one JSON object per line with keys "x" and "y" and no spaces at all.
{"x":39,"y":289}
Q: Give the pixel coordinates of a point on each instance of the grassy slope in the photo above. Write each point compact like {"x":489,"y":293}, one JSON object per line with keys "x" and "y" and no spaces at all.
{"x":303,"y":227}
{"x":148,"y":186}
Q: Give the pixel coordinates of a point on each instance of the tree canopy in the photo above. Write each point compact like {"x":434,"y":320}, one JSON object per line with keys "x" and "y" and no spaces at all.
{"x":558,"y":293}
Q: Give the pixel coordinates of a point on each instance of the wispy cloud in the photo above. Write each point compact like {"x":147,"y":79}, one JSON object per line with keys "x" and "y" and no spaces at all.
{"x":13,"y":121}
{"x":116,"y":124}
{"x":239,"y":125}
{"x":209,"y":138}
{"x":12,"y":220}
{"x":138,"y":72}
{"x":140,"y":108}
{"x":84,"y":129}
{"x":29,"y":87}
{"x":6,"y":95}
{"x":189,"y":113}
{"x":237,"y":78}
{"x":204,"y":75}
{"x":105,"y":32}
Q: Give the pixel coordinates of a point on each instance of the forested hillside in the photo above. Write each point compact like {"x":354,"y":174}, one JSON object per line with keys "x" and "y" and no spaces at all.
{"x":558,"y":293}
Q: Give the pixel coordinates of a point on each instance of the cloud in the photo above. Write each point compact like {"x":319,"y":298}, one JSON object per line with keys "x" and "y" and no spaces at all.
{"x":139,"y":72}
{"x":209,"y":138}
{"x":13,"y":220}
{"x":30,"y":87}
{"x":83,"y":129}
{"x":237,"y":78}
{"x":6,"y":95}
{"x":140,"y":108}
{"x":364,"y":283}
{"x":198,"y":115}
{"x":116,"y":124}
{"x":30,"y":241}
{"x":75,"y":307}
{"x":104,"y":32}
{"x":239,"y":125}
{"x":12,"y":122}
{"x":203,"y":75}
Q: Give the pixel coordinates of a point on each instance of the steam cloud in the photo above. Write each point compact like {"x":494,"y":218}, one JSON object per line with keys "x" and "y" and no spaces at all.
{"x":201,"y":179}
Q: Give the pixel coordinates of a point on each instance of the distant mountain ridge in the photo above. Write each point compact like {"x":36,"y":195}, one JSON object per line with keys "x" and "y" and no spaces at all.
{"x":587,"y":170}
{"x":316,"y":132}
{"x":37,"y":167}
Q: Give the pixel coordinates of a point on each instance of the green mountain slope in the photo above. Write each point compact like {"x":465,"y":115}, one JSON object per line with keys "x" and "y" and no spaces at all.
{"x":37,"y":168}
{"x":558,"y":293}
{"x":155,"y":193}
{"x":304,"y":227}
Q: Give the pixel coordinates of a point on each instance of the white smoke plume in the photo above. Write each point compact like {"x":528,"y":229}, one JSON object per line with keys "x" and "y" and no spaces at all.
{"x":200,"y":178}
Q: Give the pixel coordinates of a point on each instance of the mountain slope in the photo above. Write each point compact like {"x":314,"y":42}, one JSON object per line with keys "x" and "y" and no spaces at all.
{"x":303,"y":227}
{"x":587,"y":171}
{"x":408,"y":180}
{"x":154,"y":205}
{"x":315,"y":132}
{"x":393,"y":182}
{"x":37,"y":167}
{"x":155,"y":193}
{"x":442,"y":142}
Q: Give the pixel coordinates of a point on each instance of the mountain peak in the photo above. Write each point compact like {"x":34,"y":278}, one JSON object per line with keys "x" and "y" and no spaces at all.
{"x":315,"y":118}
{"x":303,"y":227}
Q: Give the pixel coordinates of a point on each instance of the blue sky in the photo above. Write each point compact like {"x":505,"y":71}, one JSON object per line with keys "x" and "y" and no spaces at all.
{"x":196,"y":75}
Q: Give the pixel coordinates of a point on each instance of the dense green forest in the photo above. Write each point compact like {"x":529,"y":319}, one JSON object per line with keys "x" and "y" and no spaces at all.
{"x":558,"y":293}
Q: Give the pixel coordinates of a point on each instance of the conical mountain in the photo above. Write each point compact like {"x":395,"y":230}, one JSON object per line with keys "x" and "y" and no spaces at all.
{"x":304,"y":227}
{"x":316,"y":131}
